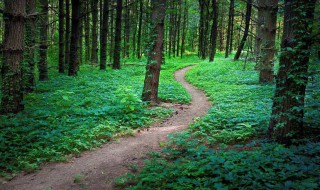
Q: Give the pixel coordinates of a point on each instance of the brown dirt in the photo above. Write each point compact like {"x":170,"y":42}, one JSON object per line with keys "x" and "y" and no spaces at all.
{"x":99,"y":168}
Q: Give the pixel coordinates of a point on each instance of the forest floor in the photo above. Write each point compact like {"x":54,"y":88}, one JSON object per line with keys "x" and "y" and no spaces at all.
{"x":98,"y":169}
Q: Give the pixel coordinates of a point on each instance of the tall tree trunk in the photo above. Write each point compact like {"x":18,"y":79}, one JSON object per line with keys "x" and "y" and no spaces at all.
{"x":178,"y":26}
{"x":221,"y":26}
{"x":184,"y":28}
{"x":155,"y":57}
{"x":267,"y":31}
{"x":75,"y":34}
{"x":246,"y":30}
{"x":231,"y":6}
{"x":232,"y":27}
{"x":288,"y":104}
{"x":126,"y":46}
{"x":44,"y":19}
{"x":67,"y":45}
{"x":30,"y":40}
{"x":61,"y":37}
{"x":214,"y":30}
{"x":94,"y":52}
{"x":104,"y":35}
{"x":87,"y":31}
{"x":14,"y":17}
{"x":111,"y":36}
{"x":140,"y":29}
{"x":117,"y":38}
{"x":201,"y":27}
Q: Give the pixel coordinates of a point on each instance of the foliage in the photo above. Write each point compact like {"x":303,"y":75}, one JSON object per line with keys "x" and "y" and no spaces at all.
{"x":270,"y":166}
{"x":241,"y":106}
{"x":218,"y":151}
{"x":67,"y":115}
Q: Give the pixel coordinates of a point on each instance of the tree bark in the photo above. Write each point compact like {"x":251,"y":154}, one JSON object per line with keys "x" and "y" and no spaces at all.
{"x":140,"y":29}
{"x":87,"y":32}
{"x":214,"y":30}
{"x":246,"y":30}
{"x":117,"y":38}
{"x":44,"y":20}
{"x":126,"y":45}
{"x":75,"y":36}
{"x":61,"y":37}
{"x":267,"y":31}
{"x":184,"y":28}
{"x":14,"y":17}
{"x":30,"y":42}
{"x":286,"y":121}
{"x":67,"y":45}
{"x":104,"y":35}
{"x":155,"y":57}
{"x":232,"y":27}
{"x":94,"y":52}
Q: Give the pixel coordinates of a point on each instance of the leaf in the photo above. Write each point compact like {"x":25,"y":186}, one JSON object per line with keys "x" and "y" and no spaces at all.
{"x":65,"y":97}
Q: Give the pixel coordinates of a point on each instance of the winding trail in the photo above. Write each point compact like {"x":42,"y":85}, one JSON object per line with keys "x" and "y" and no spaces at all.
{"x":99,"y":168}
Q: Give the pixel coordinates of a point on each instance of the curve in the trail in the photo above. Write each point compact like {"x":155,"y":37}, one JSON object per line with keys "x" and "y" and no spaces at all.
{"x":99,"y":168}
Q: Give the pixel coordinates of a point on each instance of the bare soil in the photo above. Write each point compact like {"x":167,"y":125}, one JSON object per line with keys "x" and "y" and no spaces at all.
{"x":98,"y":169}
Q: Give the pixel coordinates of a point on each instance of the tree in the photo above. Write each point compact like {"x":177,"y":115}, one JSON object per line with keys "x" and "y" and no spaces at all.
{"x":140,"y":29}
{"x":30,"y":42}
{"x":155,"y":55}
{"x":104,"y":35}
{"x":67,"y":45}
{"x":246,"y":30}
{"x":61,"y":36}
{"x":214,"y":29}
{"x":94,"y":52}
{"x":44,"y":21}
{"x":267,"y":31}
{"x":230,"y":29}
{"x":286,"y":120}
{"x":14,"y":17}
{"x":117,"y":38}
{"x":75,"y":36}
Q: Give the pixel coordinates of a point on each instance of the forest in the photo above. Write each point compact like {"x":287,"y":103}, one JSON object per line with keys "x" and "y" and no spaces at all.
{"x":159,"y":94}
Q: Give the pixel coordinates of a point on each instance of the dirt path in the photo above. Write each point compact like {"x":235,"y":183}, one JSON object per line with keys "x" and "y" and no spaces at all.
{"x":98,"y":169}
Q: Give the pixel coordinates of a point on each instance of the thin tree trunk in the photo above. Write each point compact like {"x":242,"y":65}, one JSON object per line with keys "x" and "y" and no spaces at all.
{"x":14,"y":17}
{"x":42,"y":66}
{"x":286,"y":121}
{"x":30,"y":40}
{"x":126,"y":46}
{"x":232,"y":26}
{"x":178,"y":27}
{"x":214,"y":30}
{"x":140,"y":29}
{"x":94,"y":50}
{"x":184,"y":29}
{"x":61,"y":37}
{"x":87,"y":32}
{"x":246,"y":30}
{"x":67,"y":45}
{"x":117,"y":38}
{"x":155,"y":57}
{"x":229,"y":29}
{"x":75,"y":37}
{"x":104,"y":35}
{"x":111,"y":34}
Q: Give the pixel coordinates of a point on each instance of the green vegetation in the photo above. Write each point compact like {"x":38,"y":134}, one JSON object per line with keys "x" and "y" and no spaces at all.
{"x":67,"y":115}
{"x":227,"y":149}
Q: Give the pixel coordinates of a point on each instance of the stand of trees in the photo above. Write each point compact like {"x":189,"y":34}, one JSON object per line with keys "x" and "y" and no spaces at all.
{"x":90,"y":32}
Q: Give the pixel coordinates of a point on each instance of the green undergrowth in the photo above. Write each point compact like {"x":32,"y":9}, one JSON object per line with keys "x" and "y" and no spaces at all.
{"x":67,"y":115}
{"x":241,"y":107}
{"x":248,"y":166}
{"x":226,"y":148}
